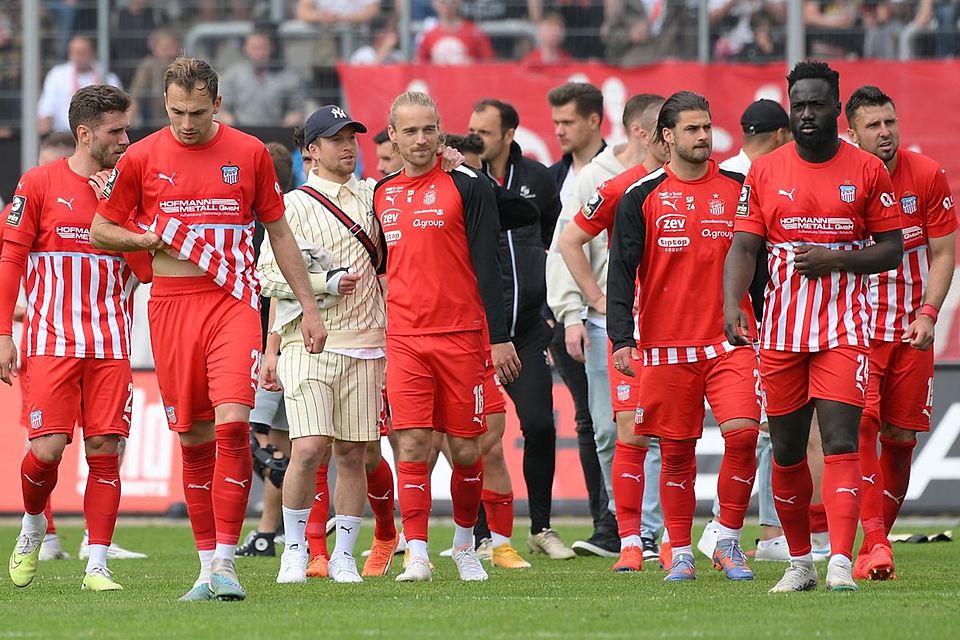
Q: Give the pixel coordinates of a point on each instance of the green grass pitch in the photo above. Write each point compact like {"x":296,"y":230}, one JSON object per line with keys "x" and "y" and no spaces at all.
{"x":579,"y":598}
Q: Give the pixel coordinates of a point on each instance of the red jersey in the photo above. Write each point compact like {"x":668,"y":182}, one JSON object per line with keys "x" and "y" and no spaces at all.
{"x":443,"y":273}
{"x":673,"y":235}
{"x":79,"y":299}
{"x":217,"y":189}
{"x":897,"y":295}
{"x":463,"y":45}
{"x":836,"y":204}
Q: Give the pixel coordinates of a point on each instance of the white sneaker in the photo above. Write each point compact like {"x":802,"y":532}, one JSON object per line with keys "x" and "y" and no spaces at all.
{"x":840,"y":574}
{"x":485,"y":550}
{"x":447,"y":553}
{"x":820,"y":546}
{"x":293,"y":566}
{"x":548,"y":542}
{"x":708,"y":541}
{"x":114,"y":551}
{"x":417,"y":570}
{"x":774,"y":549}
{"x":343,"y":568}
{"x":799,"y":576}
{"x":468,"y":564}
{"x":51,"y":549}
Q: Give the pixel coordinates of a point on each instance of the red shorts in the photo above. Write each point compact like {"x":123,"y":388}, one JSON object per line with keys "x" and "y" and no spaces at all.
{"x":437,"y":381}
{"x":901,"y":385}
{"x":493,"y":401}
{"x":624,"y":389}
{"x":61,"y":391}
{"x":206,"y":346}
{"x":792,"y":379}
{"x":671,"y":396}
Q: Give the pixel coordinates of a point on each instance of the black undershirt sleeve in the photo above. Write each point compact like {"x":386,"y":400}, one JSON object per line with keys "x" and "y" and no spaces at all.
{"x":626,"y":251}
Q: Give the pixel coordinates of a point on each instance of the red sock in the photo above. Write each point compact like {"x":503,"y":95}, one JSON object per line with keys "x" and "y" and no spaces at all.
{"x":738,"y":468}
{"x":792,"y":490}
{"x":841,"y":497}
{"x":38,"y":478}
{"x":895,"y":460}
{"x":319,"y":512}
{"x":677,"y":476}
{"x":198,"y":463}
{"x":413,"y":480}
{"x":101,"y":500}
{"x":818,"y":517}
{"x":466,"y":485}
{"x":628,"y":482}
{"x":231,"y":480}
{"x":871,"y":484}
{"x":499,"y":508}
{"x":380,"y":495}
{"x":48,"y":512}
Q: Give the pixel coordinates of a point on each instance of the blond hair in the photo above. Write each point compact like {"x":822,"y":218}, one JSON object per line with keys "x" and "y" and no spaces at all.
{"x":412,"y":98}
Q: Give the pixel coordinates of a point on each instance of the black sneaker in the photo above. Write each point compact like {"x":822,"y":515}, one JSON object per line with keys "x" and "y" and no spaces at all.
{"x":598,"y":544}
{"x":257,"y":544}
{"x":651,"y":551}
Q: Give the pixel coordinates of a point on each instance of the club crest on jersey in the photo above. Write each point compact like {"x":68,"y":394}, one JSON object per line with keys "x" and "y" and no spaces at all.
{"x":638,"y":417}
{"x":17,"y":208}
{"x":36,"y":419}
{"x":716,"y":206}
{"x":909,"y":204}
{"x":171,"y":412}
{"x":430,"y":196}
{"x":848,"y":192}
{"x":230,"y":173}
{"x":743,"y":204}
{"x":623,"y":392}
{"x":592,"y":205}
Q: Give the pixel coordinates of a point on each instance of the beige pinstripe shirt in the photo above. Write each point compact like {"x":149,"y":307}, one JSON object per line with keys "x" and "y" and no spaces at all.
{"x":358,"y":319}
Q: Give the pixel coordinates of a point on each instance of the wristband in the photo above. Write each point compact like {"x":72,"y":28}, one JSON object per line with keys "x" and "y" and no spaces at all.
{"x":930,"y":311}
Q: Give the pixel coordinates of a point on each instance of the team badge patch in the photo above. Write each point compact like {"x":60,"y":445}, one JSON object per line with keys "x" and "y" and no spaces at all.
{"x":430,"y":196}
{"x":638,"y":418}
{"x":36,"y":419}
{"x":17,"y":208}
{"x":909,"y":204}
{"x":230,"y":173}
{"x":171,"y":412}
{"x":592,"y":205}
{"x":743,"y":205}
{"x":848,"y":192}
{"x":623,"y":392}
{"x":716,"y":207}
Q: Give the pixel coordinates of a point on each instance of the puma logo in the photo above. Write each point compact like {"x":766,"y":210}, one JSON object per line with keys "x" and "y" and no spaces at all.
{"x":301,"y":522}
{"x":318,"y":497}
{"x":168,"y":178}
{"x":477,"y":479}
{"x":790,"y":500}
{"x":112,"y":483}
{"x":744,"y":481}
{"x":421,"y":487}
{"x":385,"y":496}
{"x":926,"y":413}
{"x":478,"y":420}
{"x":851,"y":490}
{"x":669,"y":203}
{"x":34,"y":482}
{"x":899,"y":500}
{"x":392,"y":198}
{"x":872,"y":479}
{"x":862,"y":389}
{"x":637,"y":478}
{"x":68,"y":203}
{"x":204,"y":487}
{"x":680,"y":485}
{"x":240,"y":483}
{"x":789,"y":194}
{"x":347,"y":529}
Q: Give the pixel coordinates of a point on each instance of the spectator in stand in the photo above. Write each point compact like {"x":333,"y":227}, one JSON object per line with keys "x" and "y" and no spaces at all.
{"x":255,"y":93}
{"x":147,"y":88}
{"x":730,"y":21}
{"x":766,"y":44}
{"x":328,"y":12}
{"x":453,"y":40}
{"x":63,"y":80}
{"x":832,"y":28}
{"x":383,"y":48}
{"x":10,"y":48}
{"x":883,"y":22}
{"x":128,"y":41}
{"x":644,"y":31}
{"x":551,"y":32}
{"x":585,"y":18}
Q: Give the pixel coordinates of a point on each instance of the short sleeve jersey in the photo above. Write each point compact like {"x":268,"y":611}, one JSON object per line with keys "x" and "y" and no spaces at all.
{"x":217,"y":189}
{"x":431,"y":283}
{"x":676,"y":234}
{"x":79,"y":298}
{"x":920,"y":184}
{"x":836,"y":204}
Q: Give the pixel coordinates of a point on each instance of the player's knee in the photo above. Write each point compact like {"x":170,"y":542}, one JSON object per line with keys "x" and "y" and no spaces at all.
{"x":372,"y":456}
{"x":102,"y":445}
{"x":349,"y":454}
{"x":892,"y":432}
{"x":839,"y":440}
{"x":464,"y":452}
{"x":311,"y":451}
{"x":49,"y":448}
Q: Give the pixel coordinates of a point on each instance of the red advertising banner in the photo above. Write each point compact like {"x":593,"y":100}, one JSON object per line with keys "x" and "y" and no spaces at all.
{"x":926,"y":93}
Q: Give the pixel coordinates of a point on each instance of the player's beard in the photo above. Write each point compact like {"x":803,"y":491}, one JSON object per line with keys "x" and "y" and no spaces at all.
{"x":694,"y":155}
{"x":417,"y":158}
{"x":107,"y":155}
{"x":821,"y":137}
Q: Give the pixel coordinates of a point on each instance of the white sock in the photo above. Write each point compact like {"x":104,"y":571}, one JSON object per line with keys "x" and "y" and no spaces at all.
{"x":225,"y":552}
{"x":34,"y":523}
{"x":206,"y":560}
{"x":403,"y":540}
{"x":97,"y":557}
{"x":86,"y":536}
{"x":462,"y":536}
{"x":295,"y":527}
{"x":805,"y":559}
{"x":496,"y":539}
{"x":723,"y":533}
{"x":630,"y":541}
{"x":348,"y":529}
{"x":51,"y":538}
{"x":418,"y":549}
{"x":683,"y":551}
{"x":772,"y":541}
